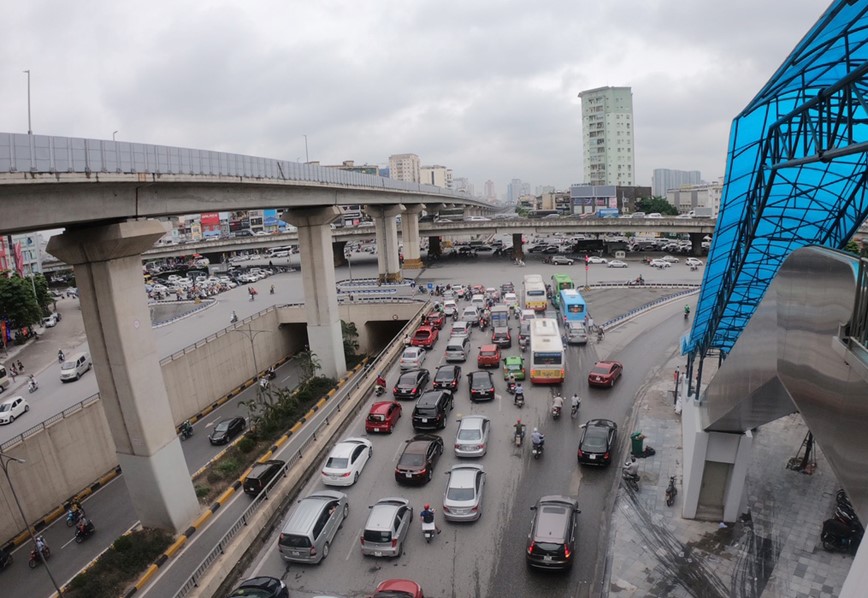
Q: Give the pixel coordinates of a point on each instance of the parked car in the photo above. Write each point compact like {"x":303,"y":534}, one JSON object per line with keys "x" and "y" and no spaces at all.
{"x":12,"y":408}
{"x":616,"y":264}
{"x":425,"y":337}
{"x":345,"y":462}
{"x":447,"y":377}
{"x":431,"y":410}
{"x":227,"y":429}
{"x":411,"y":384}
{"x":489,"y":356}
{"x":502,"y":337}
{"x":462,"y":500}
{"x":692,"y":261}
{"x":398,"y":588}
{"x":605,"y":373}
{"x":597,"y":442}
{"x":514,"y":364}
{"x":417,"y":461}
{"x":593,"y":259}
{"x":471,"y":439}
{"x":560,"y":260}
{"x":383,"y":417}
{"x":551,"y":543}
{"x":260,"y":587}
{"x":261,"y":475}
{"x":481,"y":386}
{"x":412,"y":358}
{"x":389,"y":522}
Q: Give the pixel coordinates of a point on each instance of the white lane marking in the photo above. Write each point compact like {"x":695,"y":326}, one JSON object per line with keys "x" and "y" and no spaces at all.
{"x":68,"y":543}
{"x":353,"y":544}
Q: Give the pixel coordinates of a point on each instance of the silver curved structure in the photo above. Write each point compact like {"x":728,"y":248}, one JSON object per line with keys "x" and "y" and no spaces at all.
{"x":797,"y":354}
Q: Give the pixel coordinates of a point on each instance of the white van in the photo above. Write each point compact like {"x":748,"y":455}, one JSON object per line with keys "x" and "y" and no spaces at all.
{"x":457,"y":348}
{"x":74,"y":367}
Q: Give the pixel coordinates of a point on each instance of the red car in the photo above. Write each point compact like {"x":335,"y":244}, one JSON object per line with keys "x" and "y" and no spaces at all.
{"x":383,"y":417}
{"x":398,"y":587}
{"x":489,"y":356}
{"x":435,"y":319}
{"x":425,"y":337}
{"x":604,"y":373}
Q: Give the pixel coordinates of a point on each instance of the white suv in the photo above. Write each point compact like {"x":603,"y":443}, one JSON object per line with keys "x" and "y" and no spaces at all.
{"x":692,"y":261}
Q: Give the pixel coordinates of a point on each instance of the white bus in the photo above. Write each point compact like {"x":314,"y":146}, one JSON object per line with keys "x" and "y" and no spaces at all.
{"x":547,"y":360}
{"x":285,"y":251}
{"x":534,"y":293}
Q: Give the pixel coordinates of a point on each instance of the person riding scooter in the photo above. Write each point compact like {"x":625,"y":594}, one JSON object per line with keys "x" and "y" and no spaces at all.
{"x":427,"y":517}
{"x":186,"y":429}
{"x":31,"y":384}
{"x":631,"y":469}
{"x":518,"y":397}
{"x":60,"y":356}
{"x":233,"y":318}
{"x":575,"y":403}
{"x":557,"y":406}
{"x":519,"y":430}
{"x":380,"y":384}
{"x":686,"y":311}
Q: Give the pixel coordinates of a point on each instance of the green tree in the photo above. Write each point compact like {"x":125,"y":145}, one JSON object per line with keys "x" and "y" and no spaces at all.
{"x":308,"y":364}
{"x":18,"y":304}
{"x":351,"y":343}
{"x":658,"y":204}
{"x":853,"y":247}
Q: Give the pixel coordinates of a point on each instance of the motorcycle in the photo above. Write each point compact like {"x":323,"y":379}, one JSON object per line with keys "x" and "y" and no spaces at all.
{"x":510,"y":387}
{"x":5,"y":559}
{"x":270,"y":374}
{"x":233,"y":318}
{"x":694,"y":268}
{"x":556,"y":413}
{"x":574,"y":411}
{"x":518,"y":438}
{"x":32,"y":386}
{"x":34,"y":556}
{"x":83,"y":533}
{"x":841,"y":537}
{"x":522,"y":343}
{"x":671,"y":491}
{"x":686,"y":314}
{"x":518,"y":399}
{"x":429,"y":530}
{"x":71,"y":517}
{"x":60,"y":357}
{"x":185,"y":430}
{"x":537,"y":450}
{"x":379,"y":389}
{"x":631,"y":478}
{"x":263,"y":383}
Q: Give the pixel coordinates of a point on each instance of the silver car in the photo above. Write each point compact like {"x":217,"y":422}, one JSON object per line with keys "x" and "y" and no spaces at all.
{"x":387,"y":527}
{"x":470,"y":314}
{"x":472,"y":437}
{"x":462,"y":500}
{"x":412,"y":358}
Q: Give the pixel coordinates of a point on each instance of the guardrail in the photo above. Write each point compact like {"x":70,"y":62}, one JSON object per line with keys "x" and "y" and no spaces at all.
{"x":49,"y":422}
{"x":203,"y":304}
{"x":360,"y":379}
{"x":645,"y":307}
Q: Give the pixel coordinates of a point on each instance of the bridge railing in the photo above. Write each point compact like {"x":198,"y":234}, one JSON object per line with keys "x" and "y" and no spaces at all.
{"x":49,"y":422}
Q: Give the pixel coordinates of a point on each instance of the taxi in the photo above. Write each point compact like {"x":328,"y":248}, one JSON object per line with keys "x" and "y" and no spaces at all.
{"x":514,"y":364}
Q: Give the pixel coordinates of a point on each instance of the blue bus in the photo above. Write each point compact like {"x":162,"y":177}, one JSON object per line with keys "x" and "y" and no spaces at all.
{"x":573,"y":306}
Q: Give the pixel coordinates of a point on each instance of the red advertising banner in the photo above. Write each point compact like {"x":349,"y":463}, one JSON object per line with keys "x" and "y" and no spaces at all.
{"x":210,"y":219}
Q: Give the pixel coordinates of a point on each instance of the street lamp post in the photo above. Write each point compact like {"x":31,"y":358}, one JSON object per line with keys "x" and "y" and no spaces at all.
{"x":252,"y":334}
{"x":4,"y":462}
{"x":114,"y":135}
{"x":29,"y":128}
{"x":306,"y":155}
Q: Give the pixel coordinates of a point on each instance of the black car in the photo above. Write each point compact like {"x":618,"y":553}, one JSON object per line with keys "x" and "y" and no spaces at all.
{"x":552,"y":538}
{"x":551,"y":249}
{"x":227,"y":429}
{"x":431,"y":410}
{"x":262,"y":474}
{"x":537,"y":249}
{"x":411,"y":384}
{"x":260,"y":587}
{"x":481,"y":386}
{"x":598,"y":442}
{"x":447,"y":376}
{"x":416,"y":463}
{"x":507,"y":287}
{"x":501,"y":337}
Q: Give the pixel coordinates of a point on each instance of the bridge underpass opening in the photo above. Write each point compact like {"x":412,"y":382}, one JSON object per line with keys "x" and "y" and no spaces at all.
{"x":379,"y":334}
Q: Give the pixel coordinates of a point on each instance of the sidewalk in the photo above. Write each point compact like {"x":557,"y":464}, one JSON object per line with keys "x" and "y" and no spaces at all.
{"x":774,"y":550}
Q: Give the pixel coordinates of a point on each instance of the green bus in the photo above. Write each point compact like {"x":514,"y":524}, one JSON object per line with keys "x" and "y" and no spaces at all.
{"x":559,"y":283}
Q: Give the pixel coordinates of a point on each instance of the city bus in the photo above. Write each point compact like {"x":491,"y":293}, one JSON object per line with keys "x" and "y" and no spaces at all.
{"x":285,"y":251}
{"x":535,"y":293}
{"x":559,"y":283}
{"x":573,"y":306}
{"x":547,"y":361}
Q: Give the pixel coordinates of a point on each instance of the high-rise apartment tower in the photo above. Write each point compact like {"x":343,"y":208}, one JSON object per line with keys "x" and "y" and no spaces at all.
{"x":607,"y":135}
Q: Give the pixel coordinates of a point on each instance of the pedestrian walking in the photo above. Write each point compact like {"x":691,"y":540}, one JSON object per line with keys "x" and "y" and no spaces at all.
{"x":20,"y":367}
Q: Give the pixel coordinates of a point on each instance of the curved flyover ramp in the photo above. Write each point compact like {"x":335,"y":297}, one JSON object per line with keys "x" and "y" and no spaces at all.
{"x":795,"y":355}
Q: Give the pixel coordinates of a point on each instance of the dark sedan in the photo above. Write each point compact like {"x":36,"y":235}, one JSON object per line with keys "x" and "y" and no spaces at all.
{"x":416,"y":463}
{"x":447,"y":377}
{"x":411,"y":384}
{"x":227,"y":429}
{"x":261,"y":587}
{"x":604,"y":373}
{"x":501,"y":337}
{"x":598,"y":442}
{"x":481,"y":386}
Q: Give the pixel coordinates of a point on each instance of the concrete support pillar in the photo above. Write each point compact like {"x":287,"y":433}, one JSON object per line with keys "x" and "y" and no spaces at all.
{"x":696,"y":244}
{"x":434,"y":249}
{"x":410,"y":236}
{"x":517,"y":247}
{"x":339,"y":250}
{"x":318,"y":278}
{"x":387,"y":241}
{"x":108,"y":270}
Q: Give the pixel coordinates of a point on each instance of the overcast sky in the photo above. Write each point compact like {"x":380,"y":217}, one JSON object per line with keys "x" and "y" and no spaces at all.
{"x":487,"y":88}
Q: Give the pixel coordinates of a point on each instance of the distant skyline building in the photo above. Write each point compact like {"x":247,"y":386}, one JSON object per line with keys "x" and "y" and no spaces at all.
{"x":540,"y":189}
{"x":350,"y":165}
{"x":703,"y":195}
{"x":439,"y":176}
{"x":405,"y":167}
{"x":665,"y":179}
{"x":463,"y":185}
{"x":516,"y":189}
{"x":607,"y":136}
{"x":490,"y":191}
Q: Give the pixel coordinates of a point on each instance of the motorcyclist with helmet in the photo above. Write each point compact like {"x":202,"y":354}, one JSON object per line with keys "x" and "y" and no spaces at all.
{"x":537,"y":438}
{"x":427,"y":516}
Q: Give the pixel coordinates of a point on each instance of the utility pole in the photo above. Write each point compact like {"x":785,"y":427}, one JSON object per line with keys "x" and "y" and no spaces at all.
{"x":29,"y":127}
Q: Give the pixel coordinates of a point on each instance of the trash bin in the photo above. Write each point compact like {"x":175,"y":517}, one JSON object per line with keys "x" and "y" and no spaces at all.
{"x":637,"y":440}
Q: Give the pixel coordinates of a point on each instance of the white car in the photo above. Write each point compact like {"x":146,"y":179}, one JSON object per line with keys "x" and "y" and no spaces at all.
{"x":450,"y":308}
{"x":692,"y":261}
{"x":671,"y":259}
{"x":50,"y":321}
{"x":511,"y":300}
{"x":345,"y":462}
{"x":412,"y":358}
{"x":460,"y":328}
{"x":658,"y":263}
{"x":11,"y":408}
{"x":593,"y":259}
{"x":617,"y":264}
